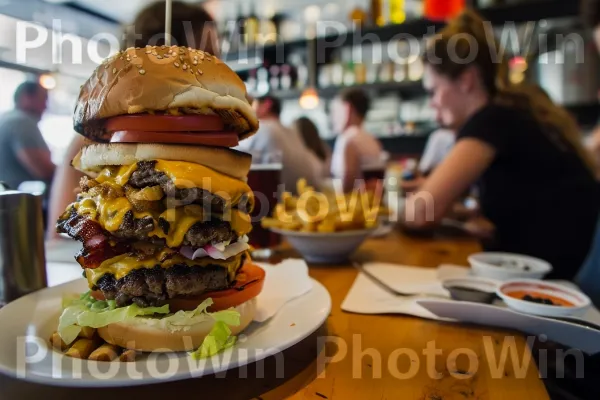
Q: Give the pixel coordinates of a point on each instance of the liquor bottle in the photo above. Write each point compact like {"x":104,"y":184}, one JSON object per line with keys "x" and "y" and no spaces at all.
{"x":251,"y":82}
{"x":238,"y":39}
{"x":377,"y":17}
{"x":397,"y":11}
{"x":252,"y":26}
{"x":274,"y":77}
{"x":286,"y":77}
{"x":262,"y":85}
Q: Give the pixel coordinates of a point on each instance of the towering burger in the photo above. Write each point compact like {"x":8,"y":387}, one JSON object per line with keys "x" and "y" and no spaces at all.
{"x":163,"y":212}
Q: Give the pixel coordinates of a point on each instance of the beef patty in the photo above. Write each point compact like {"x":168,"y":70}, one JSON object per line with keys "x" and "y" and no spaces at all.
{"x":145,"y":175}
{"x":152,"y":287}
{"x":200,"y":234}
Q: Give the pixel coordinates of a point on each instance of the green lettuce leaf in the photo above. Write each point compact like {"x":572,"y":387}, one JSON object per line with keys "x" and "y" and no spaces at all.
{"x":216,"y":341}
{"x":87,"y":311}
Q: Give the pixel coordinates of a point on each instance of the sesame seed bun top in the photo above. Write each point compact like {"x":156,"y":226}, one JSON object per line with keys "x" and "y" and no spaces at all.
{"x":162,"y":79}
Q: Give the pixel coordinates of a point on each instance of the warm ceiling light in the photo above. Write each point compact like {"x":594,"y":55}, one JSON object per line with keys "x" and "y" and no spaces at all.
{"x":312,"y":14}
{"x":309,"y":99}
{"x":47,"y":82}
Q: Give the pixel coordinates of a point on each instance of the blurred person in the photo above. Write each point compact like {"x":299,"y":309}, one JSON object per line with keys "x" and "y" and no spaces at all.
{"x":275,"y":143}
{"x":438,"y":146}
{"x":525,"y":154}
{"x":24,"y":155}
{"x":312,"y":140}
{"x":192,"y":26}
{"x":590,"y":13}
{"x":355,"y":149}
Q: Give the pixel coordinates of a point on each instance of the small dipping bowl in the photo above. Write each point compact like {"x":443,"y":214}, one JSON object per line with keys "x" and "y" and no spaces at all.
{"x":567,"y":302}
{"x":476,"y":290}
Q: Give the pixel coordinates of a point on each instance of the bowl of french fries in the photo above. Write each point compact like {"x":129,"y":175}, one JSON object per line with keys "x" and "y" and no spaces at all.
{"x":325,"y":227}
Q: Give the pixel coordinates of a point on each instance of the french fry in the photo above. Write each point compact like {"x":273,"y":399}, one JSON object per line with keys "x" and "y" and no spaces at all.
{"x":314,"y":211}
{"x":289,"y":201}
{"x":82,"y":348}
{"x":106,"y":352}
{"x":309,"y":227}
{"x":128,"y":356}
{"x":57,"y":342}
{"x":268,"y":223}
{"x":87,"y":332}
{"x":326,"y":226}
{"x":301,"y":186}
{"x":292,"y":226}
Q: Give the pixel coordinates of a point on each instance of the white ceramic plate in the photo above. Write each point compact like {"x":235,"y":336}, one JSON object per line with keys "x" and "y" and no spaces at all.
{"x":29,"y":321}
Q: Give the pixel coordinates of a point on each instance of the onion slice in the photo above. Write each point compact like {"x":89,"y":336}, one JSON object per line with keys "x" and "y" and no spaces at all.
{"x":218,"y":251}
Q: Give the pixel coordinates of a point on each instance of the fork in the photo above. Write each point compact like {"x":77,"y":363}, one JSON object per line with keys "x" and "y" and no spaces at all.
{"x":390,"y":289}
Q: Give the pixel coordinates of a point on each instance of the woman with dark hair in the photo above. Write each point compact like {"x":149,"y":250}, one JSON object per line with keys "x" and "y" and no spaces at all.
{"x":525,"y":154}
{"x":192,"y":26}
{"x":310,"y":135}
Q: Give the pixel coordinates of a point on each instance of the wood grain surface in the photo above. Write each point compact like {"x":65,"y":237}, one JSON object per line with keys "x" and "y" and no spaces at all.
{"x":370,"y":356}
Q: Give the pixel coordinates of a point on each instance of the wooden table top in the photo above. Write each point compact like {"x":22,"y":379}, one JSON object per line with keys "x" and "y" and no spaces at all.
{"x":384,"y":354}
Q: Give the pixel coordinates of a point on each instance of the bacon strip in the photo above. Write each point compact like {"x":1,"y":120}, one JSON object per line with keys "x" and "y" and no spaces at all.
{"x":96,"y":244}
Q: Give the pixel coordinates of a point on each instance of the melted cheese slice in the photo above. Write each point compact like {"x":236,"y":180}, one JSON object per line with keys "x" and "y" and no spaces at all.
{"x":110,"y":214}
{"x":122,"y":265}
{"x":187,"y":175}
{"x":116,"y":175}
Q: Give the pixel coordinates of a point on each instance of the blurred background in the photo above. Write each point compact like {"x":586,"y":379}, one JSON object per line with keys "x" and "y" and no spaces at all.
{"x":285,"y":47}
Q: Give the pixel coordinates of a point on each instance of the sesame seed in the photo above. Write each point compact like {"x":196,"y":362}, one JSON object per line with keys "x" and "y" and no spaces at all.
{"x":200,"y":72}
{"x":148,"y":51}
{"x":195,"y":62}
{"x":163,"y":47}
{"x":159,"y":57}
{"x":114,"y":70}
{"x":135,"y":56}
{"x":185,"y":67}
{"x":142,"y":72}
{"x":176,"y":65}
{"x":120,"y":58}
{"x":106,"y":66}
{"x":181,"y":58}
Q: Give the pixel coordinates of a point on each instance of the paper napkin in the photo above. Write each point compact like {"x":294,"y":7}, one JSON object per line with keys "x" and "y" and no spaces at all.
{"x":366,"y":297}
{"x":283,"y":283}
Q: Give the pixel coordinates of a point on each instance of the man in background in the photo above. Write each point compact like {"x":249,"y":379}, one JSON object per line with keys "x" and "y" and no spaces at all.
{"x":275,"y":143}
{"x":24,"y":155}
{"x":355,"y":150}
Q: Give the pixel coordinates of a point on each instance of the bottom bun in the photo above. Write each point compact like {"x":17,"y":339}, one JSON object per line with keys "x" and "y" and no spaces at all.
{"x":143,"y":337}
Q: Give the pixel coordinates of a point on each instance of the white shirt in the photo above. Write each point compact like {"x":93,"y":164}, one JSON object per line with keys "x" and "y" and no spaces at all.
{"x":274,"y":143}
{"x":438,"y":146}
{"x":369,"y":150}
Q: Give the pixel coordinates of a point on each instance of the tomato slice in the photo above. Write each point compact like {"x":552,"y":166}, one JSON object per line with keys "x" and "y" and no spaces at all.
{"x":249,"y":283}
{"x":98,"y":295}
{"x":221,"y":139}
{"x":165,"y":123}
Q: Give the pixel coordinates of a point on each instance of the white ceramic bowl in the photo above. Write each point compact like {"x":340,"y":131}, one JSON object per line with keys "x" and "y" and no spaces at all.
{"x":542,"y":289}
{"x":505,"y":266}
{"x":325,"y":248}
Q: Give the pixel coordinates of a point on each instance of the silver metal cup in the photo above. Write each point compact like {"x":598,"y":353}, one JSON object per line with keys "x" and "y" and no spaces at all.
{"x":22,"y":258}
